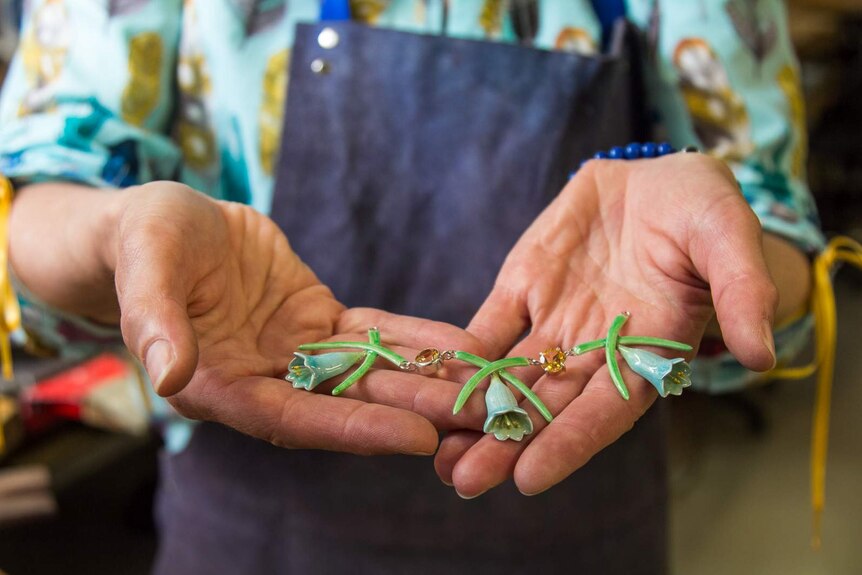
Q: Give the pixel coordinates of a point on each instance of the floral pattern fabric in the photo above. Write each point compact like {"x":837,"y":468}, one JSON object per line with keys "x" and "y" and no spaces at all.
{"x":114,"y":93}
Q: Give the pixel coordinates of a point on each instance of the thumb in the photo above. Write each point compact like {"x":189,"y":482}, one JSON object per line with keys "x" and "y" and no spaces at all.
{"x":500,"y":321}
{"x":154,"y":319}
{"x":729,"y":255}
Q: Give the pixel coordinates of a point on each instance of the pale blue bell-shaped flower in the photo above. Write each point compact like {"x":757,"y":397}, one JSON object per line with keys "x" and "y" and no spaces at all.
{"x":505,"y":419}
{"x":668,"y":376}
{"x":309,"y":371}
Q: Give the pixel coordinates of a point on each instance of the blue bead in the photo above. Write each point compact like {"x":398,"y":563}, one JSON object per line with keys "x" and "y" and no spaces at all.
{"x":665,"y":148}
{"x":633,"y":151}
{"x":601,"y":156}
{"x":617,"y":153}
{"x":649,"y":150}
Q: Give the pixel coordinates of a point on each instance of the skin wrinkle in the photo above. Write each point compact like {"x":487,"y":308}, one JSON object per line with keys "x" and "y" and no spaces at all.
{"x":727,"y":208}
{"x":287,"y":424}
{"x":309,"y":323}
{"x":692,"y":294}
{"x":137,"y":316}
{"x":107,"y":244}
{"x":688,"y":277}
{"x":469,"y":470}
{"x":208,"y":293}
{"x":192,"y":408}
{"x":648,"y":256}
{"x":584,"y":449}
{"x":248,"y":275}
{"x":257,"y":326}
{"x":262,"y":310}
{"x":352,"y":427}
{"x":204,"y":385}
{"x":276,"y":435}
{"x":242,"y":223}
{"x":724,"y":290}
{"x":698,"y":221}
{"x":602,"y":297}
{"x":574,"y":272}
{"x":149,"y":225}
{"x":417,"y":400}
{"x":227,"y":353}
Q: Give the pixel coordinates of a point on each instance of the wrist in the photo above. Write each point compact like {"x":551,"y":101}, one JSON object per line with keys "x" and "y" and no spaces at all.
{"x":790,"y":269}
{"x":106,"y":230}
{"x":63,"y":246}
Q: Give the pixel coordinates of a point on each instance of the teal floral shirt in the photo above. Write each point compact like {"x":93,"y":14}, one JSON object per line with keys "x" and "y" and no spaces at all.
{"x":114,"y":93}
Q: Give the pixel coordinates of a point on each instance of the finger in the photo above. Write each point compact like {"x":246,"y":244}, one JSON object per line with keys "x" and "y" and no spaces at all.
{"x":728,"y":253}
{"x":501,"y":320}
{"x":154,"y":318}
{"x":430,"y":397}
{"x":269,"y":409}
{"x":490,"y":461}
{"x":597,"y":417}
{"x":454,"y":445}
{"x":407,"y":335}
{"x":412,"y":332}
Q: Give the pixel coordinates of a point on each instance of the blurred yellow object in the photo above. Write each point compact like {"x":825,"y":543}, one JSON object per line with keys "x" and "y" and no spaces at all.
{"x":10,"y":318}
{"x":11,"y":425}
{"x":141,"y":94}
{"x":840,"y":249}
{"x":3,"y":418}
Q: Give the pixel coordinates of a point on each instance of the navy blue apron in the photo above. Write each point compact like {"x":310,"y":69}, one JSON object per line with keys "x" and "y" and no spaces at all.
{"x":410,"y":166}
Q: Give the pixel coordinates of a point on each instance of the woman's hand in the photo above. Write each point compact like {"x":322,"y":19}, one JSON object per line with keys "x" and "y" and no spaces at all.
{"x":213,"y":301}
{"x":669,"y":240}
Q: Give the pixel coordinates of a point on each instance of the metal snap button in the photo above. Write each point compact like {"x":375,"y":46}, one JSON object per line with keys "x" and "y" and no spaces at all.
{"x":328,"y":39}
{"x":320,"y":66}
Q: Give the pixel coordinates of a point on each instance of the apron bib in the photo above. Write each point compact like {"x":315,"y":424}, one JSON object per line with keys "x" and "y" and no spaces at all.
{"x":410,"y":166}
{"x":412,"y":163}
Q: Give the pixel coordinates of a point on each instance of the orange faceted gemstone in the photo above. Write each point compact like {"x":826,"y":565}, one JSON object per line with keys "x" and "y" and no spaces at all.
{"x":428,"y":356}
{"x":553,"y":361}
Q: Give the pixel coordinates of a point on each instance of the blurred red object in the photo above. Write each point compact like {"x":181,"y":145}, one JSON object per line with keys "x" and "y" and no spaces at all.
{"x":101,"y":392}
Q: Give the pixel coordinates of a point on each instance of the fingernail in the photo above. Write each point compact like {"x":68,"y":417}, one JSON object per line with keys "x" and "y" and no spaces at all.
{"x":468,"y":497}
{"x":160,"y":360}
{"x":447,"y":483}
{"x":769,"y":341}
{"x":534,"y":492}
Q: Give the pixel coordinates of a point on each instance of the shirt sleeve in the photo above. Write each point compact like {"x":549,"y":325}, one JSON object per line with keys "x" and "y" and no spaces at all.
{"x":722,"y":75}
{"x":88,"y":96}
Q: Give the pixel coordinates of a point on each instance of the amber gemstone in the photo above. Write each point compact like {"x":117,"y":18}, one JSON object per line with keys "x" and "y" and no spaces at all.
{"x":553,"y":361}
{"x":428,"y":356}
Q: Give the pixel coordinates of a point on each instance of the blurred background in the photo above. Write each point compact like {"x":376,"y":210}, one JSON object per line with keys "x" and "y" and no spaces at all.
{"x":76,"y":496}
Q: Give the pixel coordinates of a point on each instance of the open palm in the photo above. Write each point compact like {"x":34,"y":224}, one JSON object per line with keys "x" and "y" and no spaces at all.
{"x":671,"y":241}
{"x":214,"y":302}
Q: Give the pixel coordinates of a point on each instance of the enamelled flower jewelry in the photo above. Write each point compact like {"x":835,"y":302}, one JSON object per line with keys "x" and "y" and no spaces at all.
{"x":505,"y":420}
